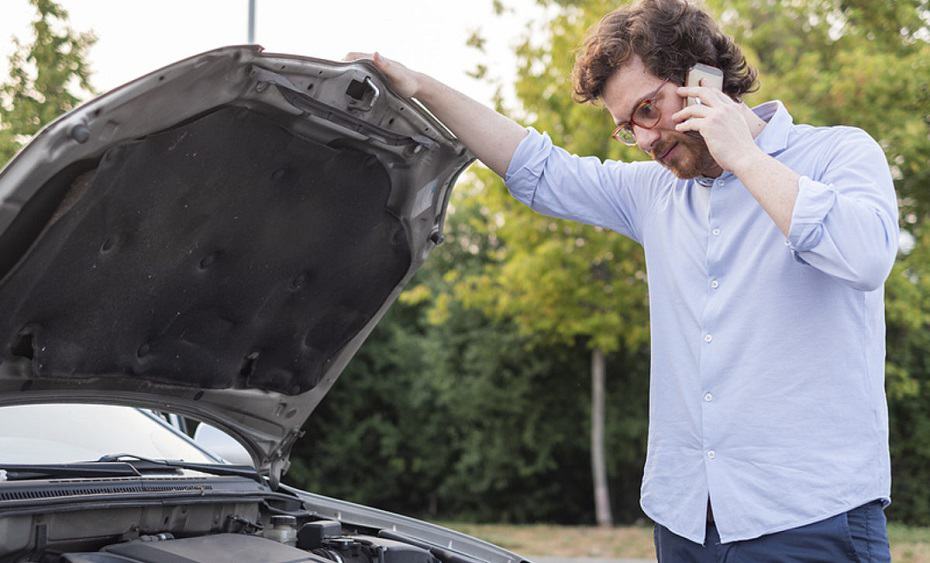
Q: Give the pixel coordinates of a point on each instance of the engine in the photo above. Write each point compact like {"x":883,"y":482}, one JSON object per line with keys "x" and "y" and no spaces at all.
{"x":320,"y":541}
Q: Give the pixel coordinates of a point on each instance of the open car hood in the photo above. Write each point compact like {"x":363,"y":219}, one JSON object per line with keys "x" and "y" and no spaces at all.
{"x":217,"y":239}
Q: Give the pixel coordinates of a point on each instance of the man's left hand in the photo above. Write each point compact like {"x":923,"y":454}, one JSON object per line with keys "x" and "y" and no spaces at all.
{"x":721,"y":123}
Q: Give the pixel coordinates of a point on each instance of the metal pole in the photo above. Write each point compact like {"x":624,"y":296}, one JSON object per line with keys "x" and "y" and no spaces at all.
{"x":251,"y":22}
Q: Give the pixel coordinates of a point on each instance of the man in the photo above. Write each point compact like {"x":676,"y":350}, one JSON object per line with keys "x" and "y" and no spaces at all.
{"x":767,"y":246}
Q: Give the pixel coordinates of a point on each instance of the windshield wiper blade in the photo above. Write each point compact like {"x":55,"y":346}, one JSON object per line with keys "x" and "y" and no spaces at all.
{"x":146,"y":464}
{"x":25,"y":472}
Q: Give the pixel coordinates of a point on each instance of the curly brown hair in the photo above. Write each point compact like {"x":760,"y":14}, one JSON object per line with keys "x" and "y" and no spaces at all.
{"x":670,"y":36}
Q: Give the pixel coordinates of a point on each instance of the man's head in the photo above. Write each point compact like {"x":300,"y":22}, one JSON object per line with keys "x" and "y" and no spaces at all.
{"x":633,"y":49}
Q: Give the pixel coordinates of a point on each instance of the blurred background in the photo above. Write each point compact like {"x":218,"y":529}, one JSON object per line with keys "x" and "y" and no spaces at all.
{"x":471,"y":402}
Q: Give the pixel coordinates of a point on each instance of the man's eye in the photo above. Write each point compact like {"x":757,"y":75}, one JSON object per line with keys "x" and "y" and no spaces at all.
{"x":646,"y":111}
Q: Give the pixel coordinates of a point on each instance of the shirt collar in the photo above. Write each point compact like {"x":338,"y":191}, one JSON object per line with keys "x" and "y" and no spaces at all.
{"x":773,"y":137}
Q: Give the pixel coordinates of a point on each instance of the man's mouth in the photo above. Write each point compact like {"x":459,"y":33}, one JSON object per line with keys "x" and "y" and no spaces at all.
{"x":667,"y":152}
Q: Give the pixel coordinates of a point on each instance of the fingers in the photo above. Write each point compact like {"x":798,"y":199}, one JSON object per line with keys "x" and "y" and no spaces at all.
{"x":691,"y":111}
{"x":694,"y":124}
{"x":376,"y":57}
{"x":356,"y":55}
{"x":381,"y":62}
{"x":693,"y":118}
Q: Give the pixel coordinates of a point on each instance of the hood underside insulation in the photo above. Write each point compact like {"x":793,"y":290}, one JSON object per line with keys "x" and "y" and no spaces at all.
{"x":223,"y":253}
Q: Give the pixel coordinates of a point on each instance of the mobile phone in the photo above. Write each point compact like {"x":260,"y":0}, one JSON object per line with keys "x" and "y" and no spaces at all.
{"x":704,"y":75}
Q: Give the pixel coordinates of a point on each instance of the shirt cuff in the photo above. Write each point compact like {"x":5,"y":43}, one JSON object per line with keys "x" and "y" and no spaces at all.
{"x":813,"y":203}
{"x":527,"y":164}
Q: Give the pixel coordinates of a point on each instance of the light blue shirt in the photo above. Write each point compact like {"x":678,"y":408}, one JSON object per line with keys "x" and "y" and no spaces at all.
{"x":767,"y":373}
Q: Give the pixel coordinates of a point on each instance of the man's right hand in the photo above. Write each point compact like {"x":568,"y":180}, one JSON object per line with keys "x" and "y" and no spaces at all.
{"x":403,"y":80}
{"x":492,"y":137}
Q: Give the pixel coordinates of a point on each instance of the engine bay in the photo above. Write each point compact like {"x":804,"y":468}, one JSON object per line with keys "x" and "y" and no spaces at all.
{"x":308,"y":544}
{"x":274,"y":529}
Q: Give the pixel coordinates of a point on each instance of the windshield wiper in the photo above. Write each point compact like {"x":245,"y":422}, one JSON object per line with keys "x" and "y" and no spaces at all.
{"x":116,"y":465}
{"x":25,"y":472}
{"x":145,"y":464}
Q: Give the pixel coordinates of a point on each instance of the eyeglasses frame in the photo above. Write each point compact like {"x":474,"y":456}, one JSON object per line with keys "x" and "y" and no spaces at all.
{"x":628,"y":126}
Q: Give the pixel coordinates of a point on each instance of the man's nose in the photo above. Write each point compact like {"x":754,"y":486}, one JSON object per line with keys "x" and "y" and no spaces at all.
{"x":645,"y":138}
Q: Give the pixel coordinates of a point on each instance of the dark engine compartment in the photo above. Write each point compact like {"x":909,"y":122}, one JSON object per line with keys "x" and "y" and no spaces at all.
{"x":201,"y":532}
{"x":312,"y":547}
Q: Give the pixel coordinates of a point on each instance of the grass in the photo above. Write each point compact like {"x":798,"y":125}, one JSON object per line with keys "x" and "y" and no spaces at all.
{"x":908,"y":544}
{"x":566,"y":541}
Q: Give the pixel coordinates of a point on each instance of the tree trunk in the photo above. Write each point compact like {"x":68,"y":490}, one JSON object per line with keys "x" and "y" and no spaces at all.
{"x":598,"y":463}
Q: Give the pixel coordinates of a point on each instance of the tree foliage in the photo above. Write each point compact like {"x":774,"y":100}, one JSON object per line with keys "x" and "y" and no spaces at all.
{"x":560,"y":281}
{"x":47,"y":77}
{"x":907,"y":375}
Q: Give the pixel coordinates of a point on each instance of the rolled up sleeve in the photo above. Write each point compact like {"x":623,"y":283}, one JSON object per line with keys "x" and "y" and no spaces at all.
{"x":611,"y":194}
{"x":846,"y":223}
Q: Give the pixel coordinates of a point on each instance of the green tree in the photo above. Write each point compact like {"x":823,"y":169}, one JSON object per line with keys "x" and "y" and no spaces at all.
{"x":46,"y":77}
{"x":517,"y":405}
{"x":907,"y":374}
{"x":561,"y":282}
{"x":381,"y":436}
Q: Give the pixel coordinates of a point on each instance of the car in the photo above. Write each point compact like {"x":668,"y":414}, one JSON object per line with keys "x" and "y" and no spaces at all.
{"x":213,"y":240}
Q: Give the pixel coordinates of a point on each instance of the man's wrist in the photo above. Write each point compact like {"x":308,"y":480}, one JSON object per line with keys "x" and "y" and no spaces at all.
{"x":427,"y":87}
{"x":752,"y":159}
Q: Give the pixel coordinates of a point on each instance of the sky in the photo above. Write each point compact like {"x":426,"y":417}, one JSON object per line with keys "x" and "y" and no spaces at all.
{"x":136,"y":36}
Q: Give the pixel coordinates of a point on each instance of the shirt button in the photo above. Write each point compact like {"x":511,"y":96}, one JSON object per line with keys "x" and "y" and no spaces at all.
{"x":708,"y":338}
{"x":711,"y":454}
{"x":714,"y":284}
{"x":787,"y":242}
{"x":716,"y":232}
{"x":708,"y":397}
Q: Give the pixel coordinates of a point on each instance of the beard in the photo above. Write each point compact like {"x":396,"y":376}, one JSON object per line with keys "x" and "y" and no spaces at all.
{"x":690,"y":159}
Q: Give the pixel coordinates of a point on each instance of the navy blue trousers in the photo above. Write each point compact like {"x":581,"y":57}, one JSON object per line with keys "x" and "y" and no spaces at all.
{"x":860,"y":535}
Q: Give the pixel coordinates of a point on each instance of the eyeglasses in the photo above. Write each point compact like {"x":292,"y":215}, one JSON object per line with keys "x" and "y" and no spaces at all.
{"x":646,"y":115}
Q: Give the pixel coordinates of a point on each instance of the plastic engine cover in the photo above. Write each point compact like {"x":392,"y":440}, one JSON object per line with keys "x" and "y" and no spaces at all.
{"x":219,"y":548}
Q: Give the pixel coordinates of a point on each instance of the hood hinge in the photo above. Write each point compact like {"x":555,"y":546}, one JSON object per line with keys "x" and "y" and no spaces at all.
{"x":279,"y":462}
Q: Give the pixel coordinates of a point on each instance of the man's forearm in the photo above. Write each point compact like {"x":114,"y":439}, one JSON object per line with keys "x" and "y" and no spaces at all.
{"x":774,"y":185}
{"x":491,"y":136}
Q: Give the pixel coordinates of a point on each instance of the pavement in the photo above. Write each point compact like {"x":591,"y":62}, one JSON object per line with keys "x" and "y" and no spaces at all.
{"x":548,"y":559}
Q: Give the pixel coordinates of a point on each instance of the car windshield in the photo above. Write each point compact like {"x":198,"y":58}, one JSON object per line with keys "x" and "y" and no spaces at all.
{"x":68,"y":433}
